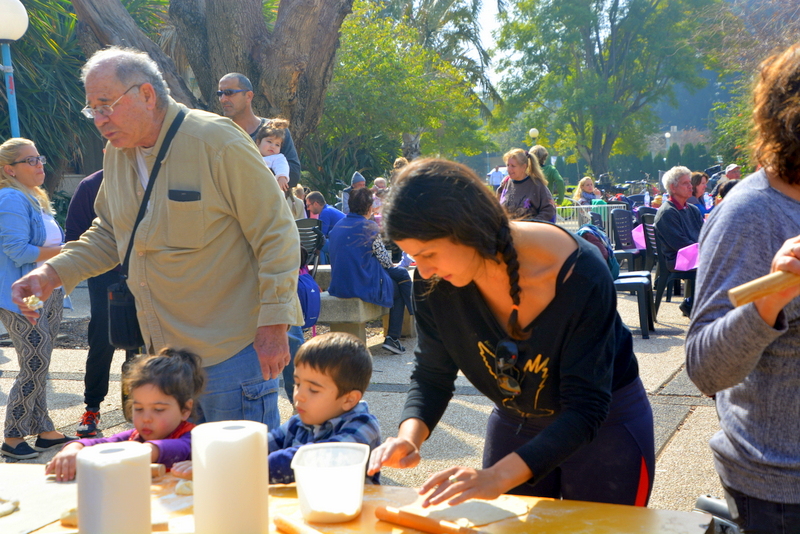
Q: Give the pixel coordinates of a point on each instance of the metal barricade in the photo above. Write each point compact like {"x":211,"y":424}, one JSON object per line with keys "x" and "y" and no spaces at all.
{"x":573,"y":217}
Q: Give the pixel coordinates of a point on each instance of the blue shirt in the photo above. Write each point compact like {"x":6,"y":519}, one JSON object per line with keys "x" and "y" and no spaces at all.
{"x":355,"y":426}
{"x":355,"y":271}
{"x":329,"y":217}
{"x":22,"y":232}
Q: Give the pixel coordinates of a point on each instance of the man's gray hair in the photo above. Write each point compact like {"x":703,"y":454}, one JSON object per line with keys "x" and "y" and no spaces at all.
{"x":241,"y":80}
{"x":671,"y":177}
{"x":131,"y":67}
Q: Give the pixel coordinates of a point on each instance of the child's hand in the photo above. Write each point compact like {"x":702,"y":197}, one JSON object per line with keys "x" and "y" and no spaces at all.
{"x":283,"y":182}
{"x":182,"y":469}
{"x":63,"y":465}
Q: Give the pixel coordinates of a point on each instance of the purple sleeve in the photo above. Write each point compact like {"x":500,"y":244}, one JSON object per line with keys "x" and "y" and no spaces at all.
{"x":122,"y":436}
{"x":174,"y":450}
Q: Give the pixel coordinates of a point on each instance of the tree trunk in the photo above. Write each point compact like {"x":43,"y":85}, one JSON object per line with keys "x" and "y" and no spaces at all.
{"x":110,"y":24}
{"x":411,"y":149}
{"x":290,"y":67}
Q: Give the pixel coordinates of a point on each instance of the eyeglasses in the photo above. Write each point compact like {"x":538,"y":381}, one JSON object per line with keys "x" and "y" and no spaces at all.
{"x":229,"y":92}
{"x":33,"y":161}
{"x":505,"y":363}
{"x":106,"y":110}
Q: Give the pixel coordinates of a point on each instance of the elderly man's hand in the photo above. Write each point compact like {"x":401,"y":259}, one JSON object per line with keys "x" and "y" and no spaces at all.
{"x":272,"y":347}
{"x":40,"y":282}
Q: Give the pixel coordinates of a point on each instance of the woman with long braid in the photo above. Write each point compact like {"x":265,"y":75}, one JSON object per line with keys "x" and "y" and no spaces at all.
{"x":528,"y":313}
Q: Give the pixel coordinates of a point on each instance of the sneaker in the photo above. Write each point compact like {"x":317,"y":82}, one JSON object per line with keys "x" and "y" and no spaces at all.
{"x":43,"y":444}
{"x":87,"y":427}
{"x":393,"y":345}
{"x":22,"y":451}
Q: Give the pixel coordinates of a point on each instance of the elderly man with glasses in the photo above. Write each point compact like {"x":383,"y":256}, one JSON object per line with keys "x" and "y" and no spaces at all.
{"x":678,"y":222}
{"x":236,"y":97}
{"x":214,"y":262}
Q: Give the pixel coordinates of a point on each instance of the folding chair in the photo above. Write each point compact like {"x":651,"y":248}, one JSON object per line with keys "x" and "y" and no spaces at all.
{"x":312,"y":240}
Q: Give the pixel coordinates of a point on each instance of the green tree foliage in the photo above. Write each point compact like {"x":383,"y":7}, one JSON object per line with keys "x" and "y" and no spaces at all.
{"x":689,"y":157}
{"x":674,"y":156}
{"x":450,"y":28}
{"x":594,"y":68}
{"x":732,"y":129}
{"x":49,"y":94}
{"x":386,"y":84}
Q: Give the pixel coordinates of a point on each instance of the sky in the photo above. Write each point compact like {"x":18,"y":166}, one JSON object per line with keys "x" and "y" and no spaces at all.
{"x":488,"y":22}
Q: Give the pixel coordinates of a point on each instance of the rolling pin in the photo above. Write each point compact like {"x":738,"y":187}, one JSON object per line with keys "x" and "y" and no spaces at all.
{"x":762,"y":287}
{"x":425,"y":524}
{"x":292,"y":526}
{"x":157,"y":471}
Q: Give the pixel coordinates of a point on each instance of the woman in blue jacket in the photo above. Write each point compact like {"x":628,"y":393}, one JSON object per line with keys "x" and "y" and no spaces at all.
{"x":29,"y":235}
{"x":362,"y":268}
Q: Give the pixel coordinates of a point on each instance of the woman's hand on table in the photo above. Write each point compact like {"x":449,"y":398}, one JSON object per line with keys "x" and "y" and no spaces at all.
{"x":458,"y":484}
{"x":397,"y":452}
{"x":64,"y":464}
{"x":182,"y":469}
{"x":786,"y":259}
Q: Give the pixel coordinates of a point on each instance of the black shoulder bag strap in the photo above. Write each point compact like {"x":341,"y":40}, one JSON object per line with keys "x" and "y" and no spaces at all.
{"x":176,"y":122}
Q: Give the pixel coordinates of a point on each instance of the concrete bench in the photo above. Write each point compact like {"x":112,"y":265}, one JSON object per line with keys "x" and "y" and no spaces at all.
{"x":348,"y":315}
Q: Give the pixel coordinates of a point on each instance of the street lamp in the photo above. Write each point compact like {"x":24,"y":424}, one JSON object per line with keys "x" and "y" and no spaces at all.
{"x":13,"y":24}
{"x":534,"y":133}
{"x":667,"y":136}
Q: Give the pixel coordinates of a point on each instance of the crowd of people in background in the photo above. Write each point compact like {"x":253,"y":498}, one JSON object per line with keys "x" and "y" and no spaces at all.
{"x":497,"y":294}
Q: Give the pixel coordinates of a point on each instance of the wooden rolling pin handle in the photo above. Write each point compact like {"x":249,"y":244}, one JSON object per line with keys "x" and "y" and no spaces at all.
{"x":425,"y":524}
{"x":291,"y":526}
{"x":762,"y":287}
{"x":157,"y":471}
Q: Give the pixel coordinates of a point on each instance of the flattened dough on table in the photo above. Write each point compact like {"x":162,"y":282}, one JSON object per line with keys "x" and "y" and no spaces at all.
{"x":475,"y":512}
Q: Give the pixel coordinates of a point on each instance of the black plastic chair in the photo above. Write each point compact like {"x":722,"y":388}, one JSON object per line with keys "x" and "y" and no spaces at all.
{"x":664,"y":276}
{"x":636,"y":199}
{"x":642,"y":286}
{"x":311,"y":239}
{"x":645,"y":210}
{"x":650,"y":253}
{"x":624,"y":247}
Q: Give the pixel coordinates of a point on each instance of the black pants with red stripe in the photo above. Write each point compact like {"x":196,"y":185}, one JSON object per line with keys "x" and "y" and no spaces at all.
{"x":617,"y":467}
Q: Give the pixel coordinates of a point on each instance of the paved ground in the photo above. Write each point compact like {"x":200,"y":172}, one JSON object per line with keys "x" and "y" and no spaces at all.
{"x":684,"y":420}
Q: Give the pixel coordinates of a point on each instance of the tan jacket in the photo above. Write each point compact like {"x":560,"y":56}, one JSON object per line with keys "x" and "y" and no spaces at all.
{"x":205,"y":273}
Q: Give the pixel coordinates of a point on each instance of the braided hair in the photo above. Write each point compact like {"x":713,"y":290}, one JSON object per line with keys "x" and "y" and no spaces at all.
{"x":436,"y":198}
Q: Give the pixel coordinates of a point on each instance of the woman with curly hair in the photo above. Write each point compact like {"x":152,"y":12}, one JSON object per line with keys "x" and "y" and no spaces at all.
{"x":747,"y":356}
{"x":528,"y":313}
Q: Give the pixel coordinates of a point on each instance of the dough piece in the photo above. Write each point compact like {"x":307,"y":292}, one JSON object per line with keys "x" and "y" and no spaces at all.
{"x":69,"y":518}
{"x":8,"y":506}
{"x":33,"y":302}
{"x":475,"y":512}
{"x":184,"y":487}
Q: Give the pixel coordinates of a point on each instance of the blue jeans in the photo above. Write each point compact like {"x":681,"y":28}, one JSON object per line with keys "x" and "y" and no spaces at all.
{"x":402,"y":300}
{"x":236,"y":390}
{"x":295,"y":340}
{"x":755,"y":516}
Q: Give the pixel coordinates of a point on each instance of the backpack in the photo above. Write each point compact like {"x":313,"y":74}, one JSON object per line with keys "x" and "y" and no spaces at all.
{"x":308,"y":293}
{"x":597,"y":237}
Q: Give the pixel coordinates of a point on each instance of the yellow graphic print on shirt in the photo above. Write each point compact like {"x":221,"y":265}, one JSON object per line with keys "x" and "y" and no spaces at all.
{"x":533,"y":370}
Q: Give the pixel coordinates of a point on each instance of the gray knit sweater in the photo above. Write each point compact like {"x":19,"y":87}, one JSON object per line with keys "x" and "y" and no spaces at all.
{"x":753,"y":368}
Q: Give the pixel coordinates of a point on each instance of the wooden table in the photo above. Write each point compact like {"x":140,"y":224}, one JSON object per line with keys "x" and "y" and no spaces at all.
{"x":547,"y":516}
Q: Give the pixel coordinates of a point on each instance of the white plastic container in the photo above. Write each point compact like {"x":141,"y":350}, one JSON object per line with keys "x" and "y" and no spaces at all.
{"x":330,"y":480}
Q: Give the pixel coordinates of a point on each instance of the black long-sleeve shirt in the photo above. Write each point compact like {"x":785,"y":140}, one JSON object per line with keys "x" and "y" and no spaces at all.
{"x":579,"y":352}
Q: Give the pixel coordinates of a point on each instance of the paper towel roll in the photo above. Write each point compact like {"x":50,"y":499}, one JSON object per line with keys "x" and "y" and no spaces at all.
{"x":231,"y":477}
{"x":114,"y":488}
